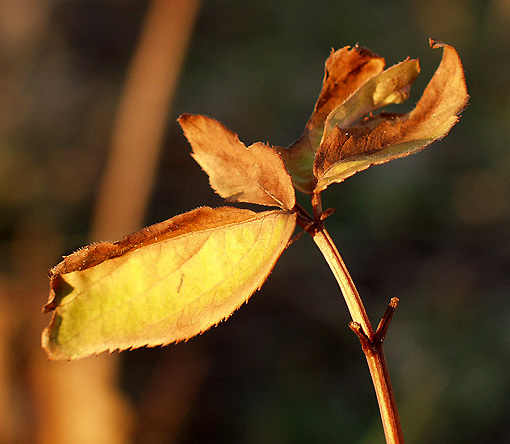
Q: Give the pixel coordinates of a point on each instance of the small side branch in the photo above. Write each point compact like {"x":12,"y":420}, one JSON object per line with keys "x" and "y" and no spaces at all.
{"x":382,"y":328}
{"x":366,"y":343}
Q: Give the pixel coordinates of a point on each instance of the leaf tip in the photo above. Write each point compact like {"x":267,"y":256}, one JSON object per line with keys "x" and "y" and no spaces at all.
{"x":455,"y":65}
{"x":184,"y":117}
{"x":435,"y":43}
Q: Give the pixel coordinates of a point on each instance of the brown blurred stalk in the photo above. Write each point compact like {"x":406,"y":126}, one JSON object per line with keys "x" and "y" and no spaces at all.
{"x":141,"y":118}
{"x":84,"y":405}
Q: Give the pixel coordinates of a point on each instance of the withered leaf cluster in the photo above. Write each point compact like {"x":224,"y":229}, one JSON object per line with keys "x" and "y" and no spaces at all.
{"x":343,"y":137}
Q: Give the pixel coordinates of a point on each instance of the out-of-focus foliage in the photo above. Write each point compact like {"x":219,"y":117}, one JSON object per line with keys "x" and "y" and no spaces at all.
{"x":431,"y":229}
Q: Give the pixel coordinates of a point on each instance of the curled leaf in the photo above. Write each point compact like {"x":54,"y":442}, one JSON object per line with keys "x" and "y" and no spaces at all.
{"x":166,"y":283}
{"x":254,"y":174}
{"x":390,"y":86}
{"x":346,"y":70}
{"x":350,"y":149}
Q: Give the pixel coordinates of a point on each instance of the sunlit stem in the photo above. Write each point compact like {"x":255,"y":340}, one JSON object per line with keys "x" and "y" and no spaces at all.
{"x":371,"y":341}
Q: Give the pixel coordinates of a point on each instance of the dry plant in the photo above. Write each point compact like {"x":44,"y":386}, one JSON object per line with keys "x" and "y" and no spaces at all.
{"x":176,"y":279}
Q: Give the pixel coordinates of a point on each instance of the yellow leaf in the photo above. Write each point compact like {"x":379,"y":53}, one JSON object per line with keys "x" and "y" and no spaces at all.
{"x":163,"y":284}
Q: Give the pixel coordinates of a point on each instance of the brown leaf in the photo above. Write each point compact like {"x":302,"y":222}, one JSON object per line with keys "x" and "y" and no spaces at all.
{"x":391,"y":86}
{"x":345,"y":151}
{"x":254,"y":174}
{"x":346,"y":70}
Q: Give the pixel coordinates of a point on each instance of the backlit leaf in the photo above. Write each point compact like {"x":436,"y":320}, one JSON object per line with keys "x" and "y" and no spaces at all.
{"x":254,"y":174}
{"x":390,"y":86}
{"x":346,"y":70}
{"x":347,"y":150}
{"x":165,"y":283}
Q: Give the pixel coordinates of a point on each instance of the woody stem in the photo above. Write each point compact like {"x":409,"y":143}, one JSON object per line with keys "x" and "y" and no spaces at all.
{"x":371,"y":341}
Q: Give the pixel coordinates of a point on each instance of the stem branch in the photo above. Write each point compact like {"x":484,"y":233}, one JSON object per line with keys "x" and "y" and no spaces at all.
{"x":371,"y":341}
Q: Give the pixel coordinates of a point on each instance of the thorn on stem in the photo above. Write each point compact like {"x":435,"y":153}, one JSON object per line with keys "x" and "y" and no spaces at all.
{"x":382,"y":328}
{"x":297,"y":236}
{"x":366,"y":344}
{"x":326,"y":213}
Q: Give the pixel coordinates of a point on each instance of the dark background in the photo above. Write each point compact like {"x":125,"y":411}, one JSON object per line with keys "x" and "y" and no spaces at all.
{"x":432,"y":229}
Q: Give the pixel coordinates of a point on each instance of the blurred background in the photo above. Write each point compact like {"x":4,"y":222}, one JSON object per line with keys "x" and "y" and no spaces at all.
{"x":90,"y":150}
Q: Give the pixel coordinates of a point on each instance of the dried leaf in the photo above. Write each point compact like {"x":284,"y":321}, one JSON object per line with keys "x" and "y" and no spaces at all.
{"x":163,"y":284}
{"x":390,"y":86}
{"x":348,"y":150}
{"x":346,"y":70}
{"x":254,"y":174}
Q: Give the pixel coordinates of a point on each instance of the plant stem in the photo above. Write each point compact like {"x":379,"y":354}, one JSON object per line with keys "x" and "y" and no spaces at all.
{"x":371,"y":341}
